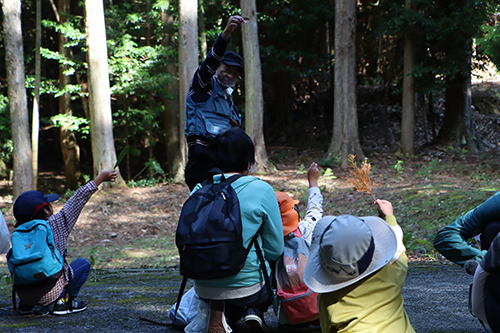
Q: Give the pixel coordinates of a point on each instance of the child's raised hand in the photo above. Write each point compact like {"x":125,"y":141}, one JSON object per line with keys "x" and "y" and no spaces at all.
{"x":313,"y":175}
{"x":106,"y":176}
{"x":384,"y":208}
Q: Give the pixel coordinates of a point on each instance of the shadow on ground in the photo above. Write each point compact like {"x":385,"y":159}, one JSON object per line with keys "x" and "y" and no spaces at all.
{"x":435,"y":295}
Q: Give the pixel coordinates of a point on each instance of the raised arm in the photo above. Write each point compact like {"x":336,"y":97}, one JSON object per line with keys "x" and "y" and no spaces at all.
{"x":208,"y":67}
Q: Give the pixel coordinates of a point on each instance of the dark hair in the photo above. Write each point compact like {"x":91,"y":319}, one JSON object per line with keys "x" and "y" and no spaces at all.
{"x":40,"y":215}
{"x":231,"y":151}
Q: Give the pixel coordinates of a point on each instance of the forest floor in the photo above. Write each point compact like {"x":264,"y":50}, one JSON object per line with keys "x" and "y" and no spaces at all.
{"x":132,"y":229}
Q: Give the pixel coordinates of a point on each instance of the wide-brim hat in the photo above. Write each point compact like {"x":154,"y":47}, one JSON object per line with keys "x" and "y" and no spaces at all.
{"x":231,"y":58}
{"x":29,"y":203}
{"x":346,"y":249}
{"x":289,"y":216}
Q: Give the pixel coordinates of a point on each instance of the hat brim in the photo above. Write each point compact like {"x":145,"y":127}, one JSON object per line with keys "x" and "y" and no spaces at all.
{"x":234,"y":64}
{"x":52,"y":197}
{"x":319,"y":280}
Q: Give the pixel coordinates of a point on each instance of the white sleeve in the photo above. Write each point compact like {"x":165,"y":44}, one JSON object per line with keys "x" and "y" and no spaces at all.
{"x":313,"y":214}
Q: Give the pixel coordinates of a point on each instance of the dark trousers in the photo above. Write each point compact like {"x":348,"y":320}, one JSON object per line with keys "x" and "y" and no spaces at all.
{"x":81,"y":270}
{"x":197,"y":168}
{"x":492,"y":301}
{"x":257,"y":303}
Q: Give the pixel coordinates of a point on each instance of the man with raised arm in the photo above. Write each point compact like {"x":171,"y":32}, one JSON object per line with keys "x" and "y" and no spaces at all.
{"x":209,"y":105}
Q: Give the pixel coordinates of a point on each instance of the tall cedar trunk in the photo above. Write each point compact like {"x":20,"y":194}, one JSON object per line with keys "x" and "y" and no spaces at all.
{"x":35,"y":125}
{"x":188,"y":55}
{"x":103,"y":150}
{"x":67,"y":139}
{"x":458,"y":128}
{"x":175,"y":141}
{"x":254,"y":101}
{"x":408,"y":108}
{"x":14,"y":62}
{"x":345,"y":139}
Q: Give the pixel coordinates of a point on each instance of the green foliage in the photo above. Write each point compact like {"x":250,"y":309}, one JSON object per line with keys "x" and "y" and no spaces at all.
{"x":302,"y":170}
{"x":328,"y":174}
{"x":68,"y":194}
{"x":6,"y":148}
{"x":155,"y":175}
{"x":399,"y":170}
{"x":489,"y":43}
{"x":290,"y":36}
{"x":332,"y":161}
{"x":154,"y":169}
{"x":75,"y":124}
{"x":433,"y":167}
{"x":425,"y":247}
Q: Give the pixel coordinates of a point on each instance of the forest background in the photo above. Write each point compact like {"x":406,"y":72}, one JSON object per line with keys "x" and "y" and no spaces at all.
{"x":454,"y":134}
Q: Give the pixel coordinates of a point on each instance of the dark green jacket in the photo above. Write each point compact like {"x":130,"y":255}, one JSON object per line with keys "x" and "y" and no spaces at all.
{"x":451,"y":241}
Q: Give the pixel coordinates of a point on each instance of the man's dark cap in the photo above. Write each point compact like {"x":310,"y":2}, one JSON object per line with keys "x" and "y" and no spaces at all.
{"x":233,"y":59}
{"x":29,"y":203}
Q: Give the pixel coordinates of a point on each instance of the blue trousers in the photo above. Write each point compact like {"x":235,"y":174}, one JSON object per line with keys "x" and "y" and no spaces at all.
{"x":81,"y":269}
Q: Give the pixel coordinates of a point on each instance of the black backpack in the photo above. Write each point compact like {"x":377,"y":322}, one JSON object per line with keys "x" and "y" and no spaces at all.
{"x":209,"y":233}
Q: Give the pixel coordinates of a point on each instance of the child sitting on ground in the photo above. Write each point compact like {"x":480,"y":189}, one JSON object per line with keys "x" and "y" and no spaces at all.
{"x":295,"y":304}
{"x":32,"y":205}
{"x":359,"y":266}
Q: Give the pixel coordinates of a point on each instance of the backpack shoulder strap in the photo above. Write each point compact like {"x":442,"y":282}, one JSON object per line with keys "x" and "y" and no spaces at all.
{"x":179,"y":295}
{"x":263,"y":267}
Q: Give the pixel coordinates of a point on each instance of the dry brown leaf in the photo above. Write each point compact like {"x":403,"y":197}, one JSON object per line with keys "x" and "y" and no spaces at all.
{"x":360,"y":176}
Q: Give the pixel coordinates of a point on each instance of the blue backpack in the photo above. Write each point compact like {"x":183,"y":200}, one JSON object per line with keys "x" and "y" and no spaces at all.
{"x":34,"y":262}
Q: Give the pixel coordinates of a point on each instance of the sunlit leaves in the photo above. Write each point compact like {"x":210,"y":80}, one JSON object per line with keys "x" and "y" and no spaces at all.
{"x":75,"y":124}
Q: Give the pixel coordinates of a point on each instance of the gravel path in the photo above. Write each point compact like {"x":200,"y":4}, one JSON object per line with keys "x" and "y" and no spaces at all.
{"x":435,"y":298}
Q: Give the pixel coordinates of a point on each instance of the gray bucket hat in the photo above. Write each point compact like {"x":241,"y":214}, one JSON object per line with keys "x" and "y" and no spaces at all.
{"x":346,"y":249}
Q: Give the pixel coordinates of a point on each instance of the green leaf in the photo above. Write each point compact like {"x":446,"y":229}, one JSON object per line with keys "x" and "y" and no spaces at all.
{"x":122,"y":155}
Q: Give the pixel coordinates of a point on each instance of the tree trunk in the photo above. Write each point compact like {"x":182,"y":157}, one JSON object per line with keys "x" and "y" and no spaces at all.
{"x":35,"y":125}
{"x":188,"y":63}
{"x":458,"y":128}
{"x":14,"y":62}
{"x":67,"y":139}
{"x":408,"y":108}
{"x":103,"y":149}
{"x":345,"y":139}
{"x":254,"y":101}
{"x":173,"y":115}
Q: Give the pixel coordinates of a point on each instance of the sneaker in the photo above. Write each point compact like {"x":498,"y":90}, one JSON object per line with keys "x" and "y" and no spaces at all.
{"x":216,"y":318}
{"x":25,"y":309}
{"x":62,"y":307}
{"x":256,"y":323}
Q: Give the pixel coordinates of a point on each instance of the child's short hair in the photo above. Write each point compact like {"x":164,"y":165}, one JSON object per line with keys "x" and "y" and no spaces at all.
{"x":232,"y":151}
